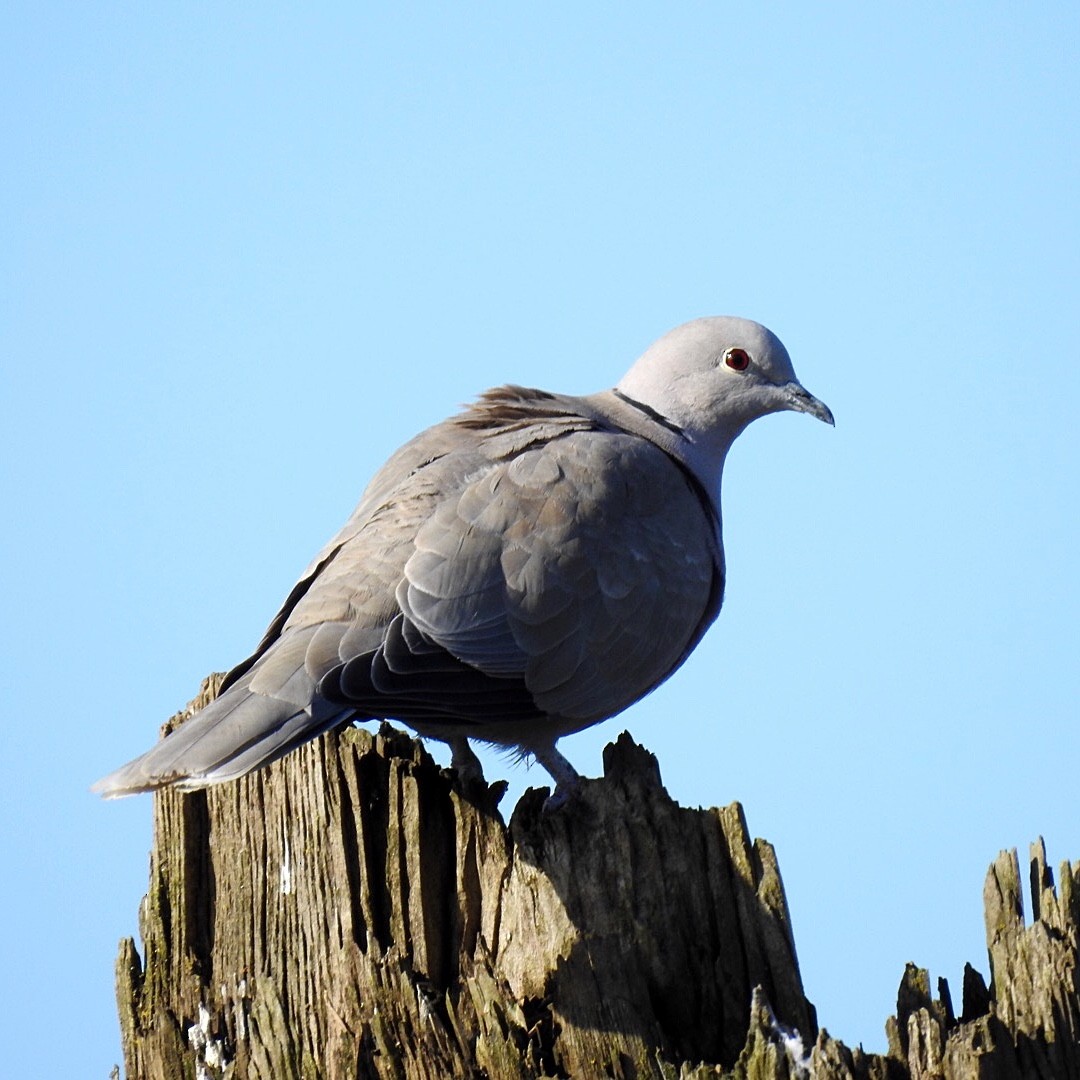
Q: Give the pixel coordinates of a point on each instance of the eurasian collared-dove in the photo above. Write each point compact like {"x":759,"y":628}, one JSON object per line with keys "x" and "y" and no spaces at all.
{"x":518,"y":572}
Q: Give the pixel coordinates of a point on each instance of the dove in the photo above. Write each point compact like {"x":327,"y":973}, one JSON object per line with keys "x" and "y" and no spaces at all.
{"x":523,"y":570}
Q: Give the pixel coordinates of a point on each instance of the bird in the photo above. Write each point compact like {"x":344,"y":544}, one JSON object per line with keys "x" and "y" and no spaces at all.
{"x":527,"y":568}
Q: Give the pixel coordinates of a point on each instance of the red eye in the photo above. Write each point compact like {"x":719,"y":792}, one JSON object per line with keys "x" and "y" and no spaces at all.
{"x":737,"y":359}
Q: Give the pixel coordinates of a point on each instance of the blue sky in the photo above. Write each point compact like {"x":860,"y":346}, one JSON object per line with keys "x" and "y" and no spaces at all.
{"x":247,"y":251}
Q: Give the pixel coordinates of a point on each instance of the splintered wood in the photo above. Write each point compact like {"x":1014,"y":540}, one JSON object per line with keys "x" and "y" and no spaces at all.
{"x":352,"y":912}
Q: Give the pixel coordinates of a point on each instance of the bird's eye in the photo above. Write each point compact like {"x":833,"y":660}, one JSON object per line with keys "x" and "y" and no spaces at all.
{"x":737,"y":359}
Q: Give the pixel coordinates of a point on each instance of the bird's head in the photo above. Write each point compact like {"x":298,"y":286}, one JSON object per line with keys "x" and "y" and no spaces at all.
{"x":713,"y":376}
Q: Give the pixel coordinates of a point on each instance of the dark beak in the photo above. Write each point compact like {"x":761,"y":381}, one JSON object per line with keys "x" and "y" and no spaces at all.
{"x":801,"y":400}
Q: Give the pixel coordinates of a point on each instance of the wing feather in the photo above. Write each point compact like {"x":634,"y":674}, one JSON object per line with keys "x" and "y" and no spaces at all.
{"x":584,"y":565}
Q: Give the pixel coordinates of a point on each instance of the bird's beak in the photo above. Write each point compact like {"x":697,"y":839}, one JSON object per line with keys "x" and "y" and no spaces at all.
{"x":799,"y":399}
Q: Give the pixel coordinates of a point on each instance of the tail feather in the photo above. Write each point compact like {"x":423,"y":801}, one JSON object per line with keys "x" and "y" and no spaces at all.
{"x":230,"y":737}
{"x":269,"y":711}
{"x":295,"y":730}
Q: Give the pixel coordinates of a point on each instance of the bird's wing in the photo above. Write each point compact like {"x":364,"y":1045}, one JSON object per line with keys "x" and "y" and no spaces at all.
{"x":587,"y":566}
{"x":516,"y":577}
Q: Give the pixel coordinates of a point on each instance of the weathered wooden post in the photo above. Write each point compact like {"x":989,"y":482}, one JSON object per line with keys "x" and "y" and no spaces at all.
{"x":351,"y":912}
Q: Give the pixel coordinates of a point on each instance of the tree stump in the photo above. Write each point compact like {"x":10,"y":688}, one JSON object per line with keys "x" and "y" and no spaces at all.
{"x":352,"y":911}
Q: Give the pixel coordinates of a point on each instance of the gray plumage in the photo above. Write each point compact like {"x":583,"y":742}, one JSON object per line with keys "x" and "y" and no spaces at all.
{"x":518,"y":572}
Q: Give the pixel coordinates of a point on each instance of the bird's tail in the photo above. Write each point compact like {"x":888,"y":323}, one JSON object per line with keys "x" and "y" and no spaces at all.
{"x":243,"y":730}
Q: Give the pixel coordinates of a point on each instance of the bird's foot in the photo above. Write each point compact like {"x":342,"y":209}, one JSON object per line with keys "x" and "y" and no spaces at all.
{"x":566,"y":777}
{"x":469,"y":776}
{"x":563,"y":794}
{"x":464,"y":762}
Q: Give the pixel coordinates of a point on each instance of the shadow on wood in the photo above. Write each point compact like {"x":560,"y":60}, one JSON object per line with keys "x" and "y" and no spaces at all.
{"x":351,"y":912}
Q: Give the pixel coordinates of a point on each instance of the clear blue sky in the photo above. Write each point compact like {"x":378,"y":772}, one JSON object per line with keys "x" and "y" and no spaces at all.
{"x":247,"y":250}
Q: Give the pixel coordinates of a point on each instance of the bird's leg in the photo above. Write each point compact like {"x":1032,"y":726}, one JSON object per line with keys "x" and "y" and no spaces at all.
{"x":567,"y":780}
{"x":464,"y":762}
